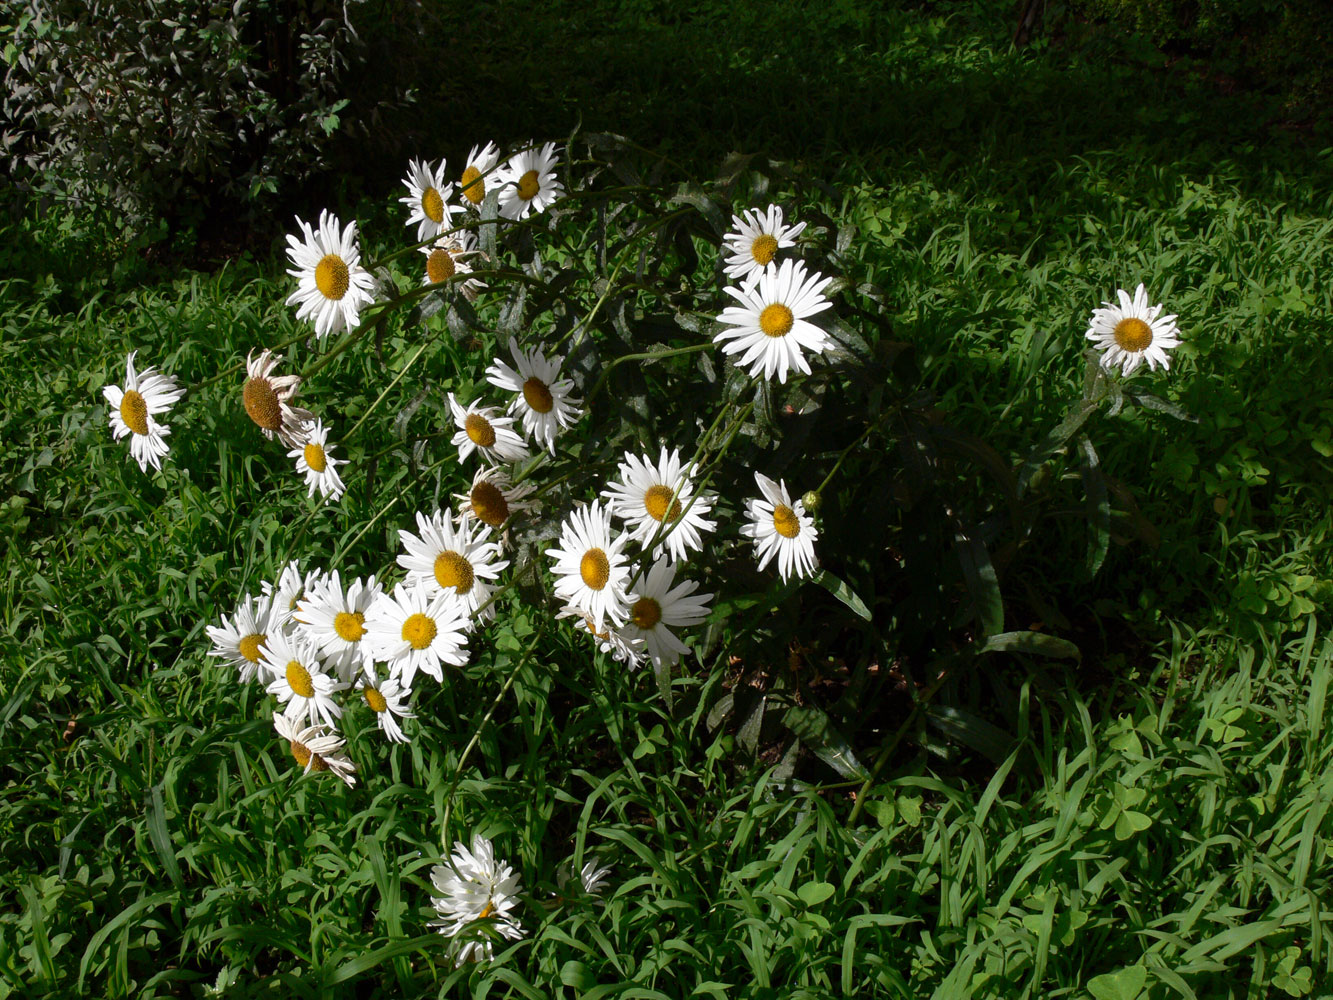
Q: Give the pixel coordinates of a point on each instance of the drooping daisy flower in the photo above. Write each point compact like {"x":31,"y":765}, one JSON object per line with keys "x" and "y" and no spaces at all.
{"x":300,"y":680}
{"x":656,"y":604}
{"x":334,"y":619}
{"x":315,"y":460}
{"x":1133,"y":332}
{"x":267,"y":396}
{"x":482,"y":429}
{"x":453,"y":555}
{"x":239,"y":639}
{"x":386,"y":698}
{"x":757,"y":238}
{"x":145,"y":396}
{"x":292,"y":587}
{"x":770,"y":324}
{"x":592,"y":877}
{"x":316,"y":748}
{"x":590,"y":567}
{"x":413,"y":629}
{"x":782,"y":528}
{"x":447,"y":257}
{"x":612,"y":641}
{"x":543,"y":399}
{"x":477,"y":174}
{"x":492,"y":500}
{"x":428,"y":198}
{"x":333,"y":284}
{"x":643,"y":498}
{"x":529,"y":182}
{"x":477,"y":896}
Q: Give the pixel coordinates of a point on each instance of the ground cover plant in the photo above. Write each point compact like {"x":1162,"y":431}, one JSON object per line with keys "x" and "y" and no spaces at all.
{"x":885,"y":785}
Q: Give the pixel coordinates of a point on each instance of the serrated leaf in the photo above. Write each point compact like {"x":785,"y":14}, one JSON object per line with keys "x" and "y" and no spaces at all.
{"x":1054,"y":441}
{"x":1150,"y":402}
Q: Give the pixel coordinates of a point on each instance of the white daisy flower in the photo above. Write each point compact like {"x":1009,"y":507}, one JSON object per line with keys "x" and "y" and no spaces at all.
{"x":316,"y":748}
{"x":413,"y":629}
{"x":315,"y":461}
{"x":770,"y":324}
{"x":387,"y":699}
{"x":757,"y":238}
{"x":543,"y":399}
{"x":655,"y":604}
{"x":492,"y":500}
{"x":428,"y":199}
{"x":292,"y":588}
{"x":782,"y":528}
{"x":612,"y":641}
{"x":592,"y":877}
{"x":643,"y":498}
{"x":482,"y":429}
{"x":447,"y":257}
{"x":239,"y":639}
{"x":333,"y":285}
{"x":590,"y":567}
{"x":453,"y":555}
{"x":334,"y":619}
{"x":477,"y":174}
{"x":477,"y":897}
{"x":145,"y":396}
{"x":267,"y":397}
{"x":300,"y":680}
{"x":529,"y":183}
{"x":1133,"y":332}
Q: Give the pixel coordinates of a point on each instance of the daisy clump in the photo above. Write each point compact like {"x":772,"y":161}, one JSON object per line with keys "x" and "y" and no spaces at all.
{"x":756,"y":239}
{"x":781,"y":528}
{"x":333,"y":286}
{"x":300,"y":679}
{"x":652,"y":498}
{"x":334,"y":619}
{"x":543,"y":399}
{"x":135,"y":408}
{"x":1133,"y":332}
{"x":475,"y":901}
{"x":770,"y":326}
{"x":427,"y":199}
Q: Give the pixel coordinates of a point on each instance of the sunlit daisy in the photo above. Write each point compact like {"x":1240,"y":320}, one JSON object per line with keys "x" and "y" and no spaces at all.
{"x":482,"y":429}
{"x":492,"y":500}
{"x":476,"y":899}
{"x":146,"y":395}
{"x":448,"y":257}
{"x":1133,"y":332}
{"x":267,"y":400}
{"x":291,"y":589}
{"x":757,"y":238}
{"x":316,"y":748}
{"x":592,"y":877}
{"x":387,"y":699}
{"x":658,"y":602}
{"x":543,"y":398}
{"x":610,"y":640}
{"x":334,"y":619}
{"x":428,"y":198}
{"x":590,"y":567}
{"x":300,"y":679}
{"x":770,"y":324}
{"x":529,"y":182}
{"x":453,"y":554}
{"x":238,"y":639}
{"x":413,"y":629}
{"x":315,"y":461}
{"x":643,"y":498}
{"x":477,"y":173}
{"x":333,"y":284}
{"x":782,"y":528}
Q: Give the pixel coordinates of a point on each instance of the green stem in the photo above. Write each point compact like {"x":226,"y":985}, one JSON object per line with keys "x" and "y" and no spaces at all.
{"x":644,"y":356}
{"x":850,"y":448}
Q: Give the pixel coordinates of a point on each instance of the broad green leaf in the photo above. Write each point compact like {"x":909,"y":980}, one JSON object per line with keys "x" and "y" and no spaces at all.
{"x":1037,"y":643}
{"x":1126,"y":984}
{"x":842,"y":592}
{"x":814,"y":893}
{"x":813,"y":727}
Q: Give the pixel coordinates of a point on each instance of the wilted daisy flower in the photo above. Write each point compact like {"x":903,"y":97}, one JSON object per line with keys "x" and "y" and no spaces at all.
{"x":655,"y":604}
{"x":757,"y":238}
{"x":133,"y":408}
{"x":454,"y":556}
{"x":300,"y":680}
{"x":427,"y":198}
{"x":413,"y":629}
{"x":293,"y":585}
{"x":543,"y":399}
{"x":387,"y":699}
{"x":447,"y":257}
{"x":473,"y":888}
{"x":782,"y":528}
{"x":611,"y":641}
{"x":477,"y":173}
{"x":238,"y":639}
{"x":492,"y":500}
{"x":266,"y":399}
{"x":314,"y":459}
{"x":643,"y":497}
{"x":590,"y":567}
{"x":592,"y":877}
{"x":1133,"y":332}
{"x":335,"y":621}
{"x":316,"y":748}
{"x":482,"y":429}
{"x":333,"y":284}
{"x":770,"y":323}
{"x":529,"y":182}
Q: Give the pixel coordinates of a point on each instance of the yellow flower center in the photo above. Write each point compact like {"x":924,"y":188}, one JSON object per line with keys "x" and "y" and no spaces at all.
{"x":486,"y":910}
{"x":314,"y":456}
{"x":332,"y":277}
{"x":764,"y":249}
{"x":249,"y":646}
{"x":785,"y":521}
{"x":595,"y":568}
{"x":301,"y":753}
{"x":433,"y":205}
{"x":298,"y":678}
{"x":1132,"y":335}
{"x":439,"y":266}
{"x":375,"y":700}
{"x":420,"y":630}
{"x":473,"y":185}
{"x":134,"y":411}
{"x":479,"y":429}
{"x":655,"y":503}
{"x":261,"y":403}
{"x":537,"y":395}
{"x":646,"y":613}
{"x":452,"y":570}
{"x":587,"y":623}
{"x":489,"y":504}
{"x":350,"y":625}
{"x":528,"y":186}
{"x":776,"y":320}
